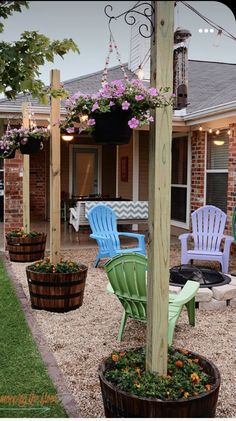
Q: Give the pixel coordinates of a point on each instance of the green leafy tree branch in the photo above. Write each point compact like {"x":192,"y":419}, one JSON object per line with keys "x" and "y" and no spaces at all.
{"x":20,"y":61}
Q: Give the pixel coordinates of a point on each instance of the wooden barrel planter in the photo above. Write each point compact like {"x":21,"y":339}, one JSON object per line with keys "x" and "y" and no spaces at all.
{"x":119,"y":404}
{"x":26,"y":249}
{"x":57,"y":292}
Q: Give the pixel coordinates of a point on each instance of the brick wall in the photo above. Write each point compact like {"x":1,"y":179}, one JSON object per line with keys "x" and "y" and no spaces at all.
{"x":13,"y":197}
{"x":38,"y":186}
{"x":198,"y":170}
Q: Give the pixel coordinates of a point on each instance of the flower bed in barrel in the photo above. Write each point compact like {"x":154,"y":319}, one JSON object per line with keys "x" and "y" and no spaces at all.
{"x":56,"y":287}
{"x":188,"y":390}
{"x":25,"y":246}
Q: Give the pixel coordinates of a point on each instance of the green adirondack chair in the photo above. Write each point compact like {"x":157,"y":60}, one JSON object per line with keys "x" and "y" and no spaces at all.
{"x":127,"y":280}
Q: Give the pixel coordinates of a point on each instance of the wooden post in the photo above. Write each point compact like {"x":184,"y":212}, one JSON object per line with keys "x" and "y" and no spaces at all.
{"x":26,"y":174}
{"x":159,"y":192}
{"x":55,"y":173}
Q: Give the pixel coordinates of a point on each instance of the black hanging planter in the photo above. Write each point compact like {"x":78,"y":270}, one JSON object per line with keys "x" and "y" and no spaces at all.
{"x":8,"y":155}
{"x":112,"y":128}
{"x":32,"y":147}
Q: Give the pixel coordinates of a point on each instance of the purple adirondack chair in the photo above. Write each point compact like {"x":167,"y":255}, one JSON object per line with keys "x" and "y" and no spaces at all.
{"x":208,"y":224}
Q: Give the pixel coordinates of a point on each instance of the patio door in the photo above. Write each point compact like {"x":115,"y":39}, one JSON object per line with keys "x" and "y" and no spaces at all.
{"x":179,"y":181}
{"x":85,"y":173}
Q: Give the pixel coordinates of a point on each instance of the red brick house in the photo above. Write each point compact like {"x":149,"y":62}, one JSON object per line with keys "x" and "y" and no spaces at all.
{"x":203,"y":159}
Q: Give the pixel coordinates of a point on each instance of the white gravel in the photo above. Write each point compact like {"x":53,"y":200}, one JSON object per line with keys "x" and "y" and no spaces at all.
{"x":81,"y":338}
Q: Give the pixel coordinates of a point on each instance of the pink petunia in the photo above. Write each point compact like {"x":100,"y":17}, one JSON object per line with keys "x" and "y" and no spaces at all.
{"x":91,"y":122}
{"x":133,"y":123}
{"x":125,"y":105}
{"x":95,"y":106}
{"x":153,"y":91}
{"x":139,"y":97}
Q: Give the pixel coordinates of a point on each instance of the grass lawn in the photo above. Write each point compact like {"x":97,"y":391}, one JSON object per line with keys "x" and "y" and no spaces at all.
{"x":26,"y":389}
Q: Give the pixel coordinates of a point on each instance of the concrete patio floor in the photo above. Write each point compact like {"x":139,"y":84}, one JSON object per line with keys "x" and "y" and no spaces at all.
{"x":70,"y":239}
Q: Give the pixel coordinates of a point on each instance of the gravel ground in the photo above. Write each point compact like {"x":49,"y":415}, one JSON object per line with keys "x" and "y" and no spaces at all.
{"x":81,"y":338}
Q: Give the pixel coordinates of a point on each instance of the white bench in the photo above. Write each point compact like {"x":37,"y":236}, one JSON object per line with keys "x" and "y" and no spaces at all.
{"x":126,"y":212}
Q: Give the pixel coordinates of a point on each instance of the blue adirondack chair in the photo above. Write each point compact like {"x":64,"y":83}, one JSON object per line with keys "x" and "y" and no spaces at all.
{"x":208,"y":224}
{"x":102,"y":220}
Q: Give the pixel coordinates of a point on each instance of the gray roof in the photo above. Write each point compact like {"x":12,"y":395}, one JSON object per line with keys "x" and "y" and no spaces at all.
{"x":210,"y":84}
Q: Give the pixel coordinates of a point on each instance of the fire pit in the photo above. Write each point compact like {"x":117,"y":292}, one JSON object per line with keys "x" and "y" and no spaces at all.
{"x":207,"y":277}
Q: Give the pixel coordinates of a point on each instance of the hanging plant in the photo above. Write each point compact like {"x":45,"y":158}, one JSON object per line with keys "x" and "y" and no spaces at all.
{"x":31,"y":140}
{"x":118,"y":107}
{"x":9,"y":142}
{"x":132,"y":99}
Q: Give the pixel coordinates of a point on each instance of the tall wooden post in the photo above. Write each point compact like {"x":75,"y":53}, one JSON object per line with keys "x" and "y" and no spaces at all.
{"x":55,"y":173}
{"x":26,"y":174}
{"x":159,"y":192}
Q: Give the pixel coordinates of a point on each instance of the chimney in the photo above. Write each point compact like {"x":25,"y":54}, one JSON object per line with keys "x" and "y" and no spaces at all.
{"x":180,"y":71}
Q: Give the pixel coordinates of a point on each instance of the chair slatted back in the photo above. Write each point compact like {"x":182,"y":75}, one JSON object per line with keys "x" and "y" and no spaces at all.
{"x":127,"y":276}
{"x":102,"y":220}
{"x":208,"y":224}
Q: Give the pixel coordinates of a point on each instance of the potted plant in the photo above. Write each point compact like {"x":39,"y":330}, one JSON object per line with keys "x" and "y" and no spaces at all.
{"x":56,"y":287}
{"x":9,"y":142}
{"x":25,"y":246}
{"x":189,"y":390}
{"x":31,"y":140}
{"x":117,"y":108}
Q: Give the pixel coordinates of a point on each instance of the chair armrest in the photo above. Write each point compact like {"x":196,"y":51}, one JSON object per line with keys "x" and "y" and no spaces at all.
{"x":98,"y":237}
{"x":130,"y":234}
{"x":139,"y":237}
{"x":185,"y":236}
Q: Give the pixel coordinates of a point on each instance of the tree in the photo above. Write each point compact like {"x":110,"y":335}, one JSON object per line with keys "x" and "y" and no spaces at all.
{"x":20,"y":61}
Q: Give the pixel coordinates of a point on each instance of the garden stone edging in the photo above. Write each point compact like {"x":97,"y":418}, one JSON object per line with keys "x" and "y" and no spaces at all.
{"x":54,"y":372}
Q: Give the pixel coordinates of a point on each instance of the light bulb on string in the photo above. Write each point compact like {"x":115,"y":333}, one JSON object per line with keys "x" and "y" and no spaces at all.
{"x":210,"y":130}
{"x":217,"y":131}
{"x":229,"y":132}
{"x":200,"y":128}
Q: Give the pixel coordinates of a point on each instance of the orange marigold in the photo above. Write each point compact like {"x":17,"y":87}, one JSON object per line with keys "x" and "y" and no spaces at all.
{"x":186,"y":394}
{"x":115,"y":357}
{"x":195,"y":378}
{"x":179,"y":363}
{"x":208,"y":387}
{"x":183,"y":351}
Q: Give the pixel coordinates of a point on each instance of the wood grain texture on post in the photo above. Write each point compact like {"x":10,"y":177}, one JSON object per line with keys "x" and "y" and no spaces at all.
{"x":55,"y":173}
{"x":160,"y":191}
{"x":26,"y":173}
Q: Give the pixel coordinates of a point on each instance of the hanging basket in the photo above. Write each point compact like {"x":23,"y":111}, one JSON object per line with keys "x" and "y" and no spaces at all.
{"x":112,"y":128}
{"x":8,"y":155}
{"x":32,"y":147}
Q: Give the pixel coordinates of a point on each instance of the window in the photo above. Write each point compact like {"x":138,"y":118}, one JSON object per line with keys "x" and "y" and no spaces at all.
{"x":179,"y":178}
{"x":217,"y":170}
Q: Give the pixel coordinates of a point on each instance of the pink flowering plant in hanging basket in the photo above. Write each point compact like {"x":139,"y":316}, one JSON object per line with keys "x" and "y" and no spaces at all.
{"x":13,"y":138}
{"x":133,"y":97}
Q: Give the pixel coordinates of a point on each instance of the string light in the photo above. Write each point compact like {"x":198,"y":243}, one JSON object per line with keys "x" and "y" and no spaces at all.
{"x":200,"y":128}
{"x":229,"y":132}
{"x":210,"y":130}
{"x":217,"y":131}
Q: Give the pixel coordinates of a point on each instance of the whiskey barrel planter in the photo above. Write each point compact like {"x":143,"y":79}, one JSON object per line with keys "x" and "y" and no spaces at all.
{"x":112,"y":128}
{"x":119,"y":404}
{"x":26,"y":249}
{"x":57,"y":292}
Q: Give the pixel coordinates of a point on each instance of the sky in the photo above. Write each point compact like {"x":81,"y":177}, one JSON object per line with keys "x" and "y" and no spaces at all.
{"x":86,"y":23}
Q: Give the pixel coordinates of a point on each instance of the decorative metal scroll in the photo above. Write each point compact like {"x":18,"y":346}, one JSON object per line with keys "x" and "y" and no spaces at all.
{"x":144,"y":9}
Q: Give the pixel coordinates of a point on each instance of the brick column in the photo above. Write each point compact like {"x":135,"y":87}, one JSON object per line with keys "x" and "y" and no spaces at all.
{"x":198,"y":170}
{"x":13,"y":193}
